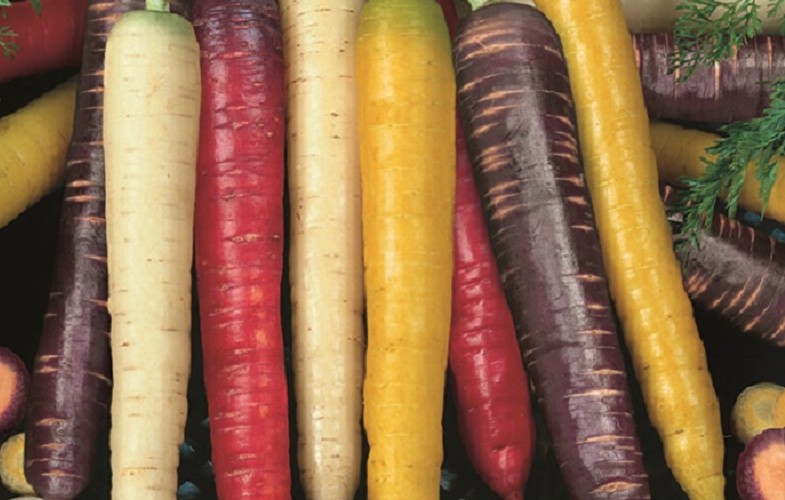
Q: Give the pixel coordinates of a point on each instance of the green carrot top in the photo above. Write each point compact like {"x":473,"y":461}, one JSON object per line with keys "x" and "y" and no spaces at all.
{"x":7,"y":45}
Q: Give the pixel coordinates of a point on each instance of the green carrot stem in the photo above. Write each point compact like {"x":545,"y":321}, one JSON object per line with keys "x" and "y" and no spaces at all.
{"x":159,"y":5}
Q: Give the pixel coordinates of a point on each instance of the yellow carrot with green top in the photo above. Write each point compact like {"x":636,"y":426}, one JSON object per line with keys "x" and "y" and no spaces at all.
{"x":643,"y":272}
{"x":406,"y":115}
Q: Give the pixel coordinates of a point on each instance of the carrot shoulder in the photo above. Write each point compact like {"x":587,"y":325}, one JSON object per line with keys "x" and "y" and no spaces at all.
{"x":643,"y":272}
{"x":406,"y":120}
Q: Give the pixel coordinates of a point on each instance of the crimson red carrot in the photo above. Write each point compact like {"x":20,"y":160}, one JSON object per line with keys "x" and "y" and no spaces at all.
{"x":239,"y":244}
{"x":43,"y":41}
{"x":490,"y":385}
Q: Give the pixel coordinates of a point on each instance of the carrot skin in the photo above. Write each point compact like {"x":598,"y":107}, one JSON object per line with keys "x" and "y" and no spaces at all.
{"x":737,"y":273}
{"x":239,"y":244}
{"x":734,"y":89}
{"x":520,"y":130}
{"x":46,"y":41}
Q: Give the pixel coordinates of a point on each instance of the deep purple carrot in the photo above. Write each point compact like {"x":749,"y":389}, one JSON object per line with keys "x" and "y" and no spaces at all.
{"x":72,"y":371}
{"x":738,"y":273}
{"x":735,"y":89}
{"x":517,"y":110}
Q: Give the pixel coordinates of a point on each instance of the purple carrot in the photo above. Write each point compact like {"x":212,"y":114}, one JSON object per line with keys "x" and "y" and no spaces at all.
{"x":516,"y":106}
{"x":738,"y":273}
{"x":735,"y":89}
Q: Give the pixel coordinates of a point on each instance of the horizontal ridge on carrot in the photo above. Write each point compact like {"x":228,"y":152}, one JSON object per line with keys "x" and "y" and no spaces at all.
{"x":406,"y":116}
{"x":643,"y":272}
{"x":239,"y":245}
{"x":151,"y":140}
{"x":515,"y":103}
{"x":51,"y":39}
{"x":734,"y":89}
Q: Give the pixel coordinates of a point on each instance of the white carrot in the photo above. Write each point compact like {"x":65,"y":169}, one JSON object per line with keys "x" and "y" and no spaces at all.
{"x":326,"y":242}
{"x":151,"y":131}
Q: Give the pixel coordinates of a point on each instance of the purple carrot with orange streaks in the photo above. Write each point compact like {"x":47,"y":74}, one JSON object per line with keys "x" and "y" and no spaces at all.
{"x":517,"y":110}
{"x":738,"y":273}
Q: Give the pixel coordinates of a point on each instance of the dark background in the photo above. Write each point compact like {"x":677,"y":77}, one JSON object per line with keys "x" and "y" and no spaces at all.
{"x":26,"y":259}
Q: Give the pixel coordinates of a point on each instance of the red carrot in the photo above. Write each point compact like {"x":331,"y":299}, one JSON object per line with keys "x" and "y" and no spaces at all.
{"x":72,"y":371}
{"x":490,"y":385}
{"x":735,"y":89}
{"x":42,"y":41}
{"x":14,"y":385}
{"x":517,"y":110}
{"x":239,"y":244}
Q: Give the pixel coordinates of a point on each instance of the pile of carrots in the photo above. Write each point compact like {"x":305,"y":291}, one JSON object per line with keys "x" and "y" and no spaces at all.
{"x":469,"y":201}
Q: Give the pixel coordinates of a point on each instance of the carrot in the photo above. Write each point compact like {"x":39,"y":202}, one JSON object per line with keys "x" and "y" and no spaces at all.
{"x":12,"y":470}
{"x":734,"y":89}
{"x":761,"y":465}
{"x":73,"y":350}
{"x":406,"y":116}
{"x":325,"y":253}
{"x":490,"y":386}
{"x":151,"y":136}
{"x":14,"y":387}
{"x":754,"y":410}
{"x":643,"y":272}
{"x":42,"y":41}
{"x":737,"y":272}
{"x":657,"y":16}
{"x":239,"y":245}
{"x":517,"y":111}
{"x":679,"y":151}
{"x":33,"y":145}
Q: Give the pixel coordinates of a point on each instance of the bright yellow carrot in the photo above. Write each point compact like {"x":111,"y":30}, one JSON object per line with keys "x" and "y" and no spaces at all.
{"x":406,"y":111}
{"x":643,"y":271}
{"x":151,"y":133}
{"x":679,"y":151}
{"x":325,"y":242}
{"x":33,"y":144}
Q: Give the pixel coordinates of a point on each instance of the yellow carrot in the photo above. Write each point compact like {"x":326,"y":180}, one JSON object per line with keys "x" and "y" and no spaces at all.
{"x":679,"y":151}
{"x":643,"y":271}
{"x":151,"y":133}
{"x":326,"y":242}
{"x":33,"y":144}
{"x":407,"y":158}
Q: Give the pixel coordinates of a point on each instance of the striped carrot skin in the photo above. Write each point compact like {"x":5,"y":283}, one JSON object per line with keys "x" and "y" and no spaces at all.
{"x":679,"y":150}
{"x":406,"y":115}
{"x":325,"y":250}
{"x":738,"y":273}
{"x":734,"y":89}
{"x":239,"y":245}
{"x":515,"y":103}
{"x":643,"y":271}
